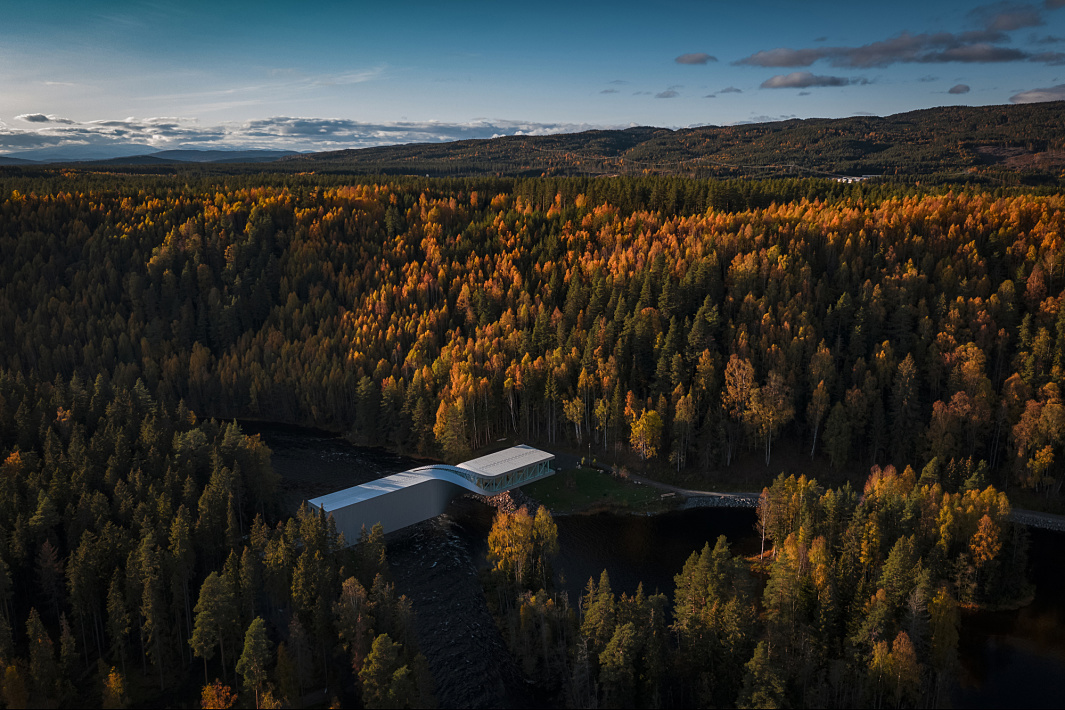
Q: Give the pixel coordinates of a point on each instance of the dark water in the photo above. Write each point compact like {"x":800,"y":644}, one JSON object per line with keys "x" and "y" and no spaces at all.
{"x":1017,"y":658}
{"x":1009,"y":659}
{"x":652,"y":550}
{"x":313,"y":462}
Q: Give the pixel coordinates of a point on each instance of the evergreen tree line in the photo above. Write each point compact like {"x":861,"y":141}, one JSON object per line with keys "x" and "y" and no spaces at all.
{"x":854,"y":602}
{"x":877,"y":326}
{"x":135,"y":550}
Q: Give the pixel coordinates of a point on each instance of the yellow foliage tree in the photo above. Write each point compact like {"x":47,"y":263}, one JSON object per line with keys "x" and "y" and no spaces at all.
{"x":645,"y":434}
{"x":114,"y":695}
{"x":216,"y":696}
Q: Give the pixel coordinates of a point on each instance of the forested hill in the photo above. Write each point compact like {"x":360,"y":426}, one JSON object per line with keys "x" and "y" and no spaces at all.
{"x":952,"y":142}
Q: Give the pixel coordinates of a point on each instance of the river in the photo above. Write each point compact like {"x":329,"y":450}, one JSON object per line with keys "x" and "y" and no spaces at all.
{"x":1009,"y":659}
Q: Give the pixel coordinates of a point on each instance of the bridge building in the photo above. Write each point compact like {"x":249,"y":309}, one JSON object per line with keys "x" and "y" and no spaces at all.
{"x":422,"y":493}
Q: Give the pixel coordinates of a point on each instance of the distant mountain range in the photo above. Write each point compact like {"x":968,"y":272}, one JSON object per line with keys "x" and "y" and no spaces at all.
{"x":138,"y":155}
{"x":951,"y":142}
{"x":959,"y":141}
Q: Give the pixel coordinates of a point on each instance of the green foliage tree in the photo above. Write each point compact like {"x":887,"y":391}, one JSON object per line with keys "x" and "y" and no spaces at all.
{"x":255,"y":658}
{"x":385,"y":682}
{"x":215,"y":611}
{"x":617,"y":667}
{"x":763,"y":686}
{"x":43,"y":672}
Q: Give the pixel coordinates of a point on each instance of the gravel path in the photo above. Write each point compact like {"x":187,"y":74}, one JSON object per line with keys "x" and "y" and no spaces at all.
{"x":715,"y":499}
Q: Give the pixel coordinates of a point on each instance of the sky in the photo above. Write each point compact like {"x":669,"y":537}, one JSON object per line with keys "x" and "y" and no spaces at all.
{"x":326,"y":76}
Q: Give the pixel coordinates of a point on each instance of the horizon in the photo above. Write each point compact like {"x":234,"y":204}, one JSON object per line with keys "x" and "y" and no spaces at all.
{"x":104,"y":78}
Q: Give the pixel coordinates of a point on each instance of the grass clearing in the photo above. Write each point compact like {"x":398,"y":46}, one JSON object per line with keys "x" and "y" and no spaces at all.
{"x":581,"y":490}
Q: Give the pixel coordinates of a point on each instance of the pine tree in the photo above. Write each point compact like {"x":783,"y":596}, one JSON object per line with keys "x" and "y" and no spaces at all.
{"x":152,"y":606}
{"x":763,"y":686}
{"x":15,"y":693}
{"x":286,"y":676}
{"x":905,"y":411}
{"x":42,"y":657}
{"x":214,"y":611}
{"x":250,"y":583}
{"x":118,"y":621}
{"x":944,"y":621}
{"x":617,"y":667}
{"x":182,"y":563}
{"x":600,"y":615}
{"x":68,"y":658}
{"x":255,"y":658}
{"x":381,"y":672}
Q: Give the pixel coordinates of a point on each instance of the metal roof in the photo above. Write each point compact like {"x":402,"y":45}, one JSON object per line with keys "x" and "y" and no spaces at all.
{"x":507,"y":461}
{"x":381,"y":486}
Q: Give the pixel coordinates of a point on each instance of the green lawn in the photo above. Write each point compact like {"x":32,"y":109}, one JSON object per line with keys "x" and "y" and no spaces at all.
{"x":588,"y":489}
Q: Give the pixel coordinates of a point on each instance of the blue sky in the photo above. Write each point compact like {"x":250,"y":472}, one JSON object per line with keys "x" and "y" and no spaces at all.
{"x":351,"y":74}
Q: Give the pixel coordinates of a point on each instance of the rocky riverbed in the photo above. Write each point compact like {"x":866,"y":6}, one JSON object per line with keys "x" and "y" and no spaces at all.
{"x":1034,"y":519}
{"x":730,"y":500}
{"x":432,"y":564}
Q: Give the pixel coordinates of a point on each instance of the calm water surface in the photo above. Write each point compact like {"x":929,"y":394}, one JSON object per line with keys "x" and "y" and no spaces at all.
{"x":1009,"y":659}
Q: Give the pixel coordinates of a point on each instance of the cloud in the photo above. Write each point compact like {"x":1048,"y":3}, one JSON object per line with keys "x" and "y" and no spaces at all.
{"x":927,"y":48}
{"x":290,"y":84}
{"x":977,"y":53}
{"x":710,"y":96}
{"x":731,"y":90}
{"x":959,"y":89}
{"x":804,"y":93}
{"x":667,"y":94}
{"x":784,"y":57}
{"x":762,"y":119}
{"x":820,"y":39}
{"x":804,"y":80}
{"x":279,"y":132}
{"x":1054,"y":4}
{"x":695,"y":58}
{"x":928,"y":78}
{"x":1051,"y":58}
{"x":42,"y":118}
{"x":358,"y":77}
{"x":1045,"y":39}
{"x":619,"y":81}
{"x":1007,"y":16}
{"x":609,"y":91}
{"x":1033,"y":96}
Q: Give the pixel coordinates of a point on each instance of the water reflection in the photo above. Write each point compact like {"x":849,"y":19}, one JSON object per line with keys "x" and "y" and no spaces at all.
{"x":1014,"y":658}
{"x":651,"y":550}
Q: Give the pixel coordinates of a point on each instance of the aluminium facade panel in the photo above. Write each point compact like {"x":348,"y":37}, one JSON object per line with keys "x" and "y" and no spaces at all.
{"x":410,"y":497}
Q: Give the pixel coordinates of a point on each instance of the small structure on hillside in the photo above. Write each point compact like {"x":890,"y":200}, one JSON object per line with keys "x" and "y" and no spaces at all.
{"x":410,"y":497}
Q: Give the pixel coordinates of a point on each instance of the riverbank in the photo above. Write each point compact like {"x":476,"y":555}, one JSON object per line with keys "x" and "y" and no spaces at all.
{"x":590,"y":490}
{"x":575,"y":490}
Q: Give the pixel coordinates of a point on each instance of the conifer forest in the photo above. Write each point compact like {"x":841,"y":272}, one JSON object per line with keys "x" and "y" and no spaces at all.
{"x":906,"y":341}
